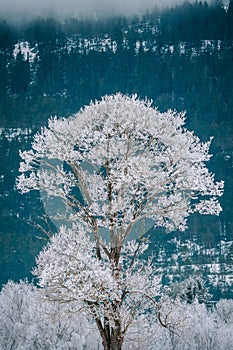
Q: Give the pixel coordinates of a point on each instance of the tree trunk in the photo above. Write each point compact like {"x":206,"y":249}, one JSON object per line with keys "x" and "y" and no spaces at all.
{"x":112,"y":338}
{"x":111,"y":334}
{"x":114,"y":342}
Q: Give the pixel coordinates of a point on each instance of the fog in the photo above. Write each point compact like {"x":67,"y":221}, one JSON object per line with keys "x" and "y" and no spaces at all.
{"x":27,"y":9}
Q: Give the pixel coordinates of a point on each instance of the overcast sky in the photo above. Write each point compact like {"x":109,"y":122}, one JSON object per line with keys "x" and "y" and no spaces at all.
{"x":18,"y":9}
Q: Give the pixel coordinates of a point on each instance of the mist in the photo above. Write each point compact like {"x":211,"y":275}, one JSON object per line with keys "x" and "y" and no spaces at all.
{"x":25,"y":10}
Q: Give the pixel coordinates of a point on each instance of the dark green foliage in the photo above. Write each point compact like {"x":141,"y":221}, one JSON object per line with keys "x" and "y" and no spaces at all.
{"x":20,"y":75}
{"x":42,"y":30}
{"x":8,"y":35}
{"x":4,"y":76}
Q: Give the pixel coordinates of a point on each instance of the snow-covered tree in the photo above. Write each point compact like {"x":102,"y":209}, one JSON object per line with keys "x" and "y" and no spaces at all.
{"x":190,"y":290}
{"x":29,"y":321}
{"x":119,"y":167}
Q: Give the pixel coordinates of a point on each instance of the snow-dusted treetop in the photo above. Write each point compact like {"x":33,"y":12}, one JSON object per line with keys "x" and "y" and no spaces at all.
{"x":129,"y":161}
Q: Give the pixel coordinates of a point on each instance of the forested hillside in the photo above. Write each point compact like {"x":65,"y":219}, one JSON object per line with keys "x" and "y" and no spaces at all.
{"x":181,"y":57}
